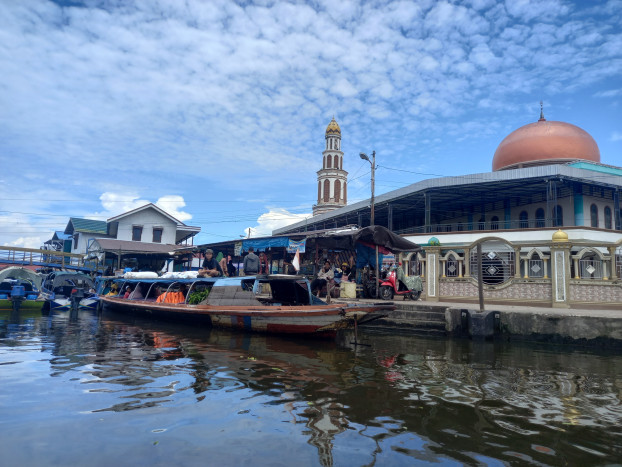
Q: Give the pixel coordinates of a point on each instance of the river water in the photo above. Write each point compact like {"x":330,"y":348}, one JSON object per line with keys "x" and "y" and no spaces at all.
{"x":102,"y":390}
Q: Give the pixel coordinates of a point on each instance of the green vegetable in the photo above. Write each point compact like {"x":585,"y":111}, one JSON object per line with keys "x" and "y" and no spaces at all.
{"x":197,"y":297}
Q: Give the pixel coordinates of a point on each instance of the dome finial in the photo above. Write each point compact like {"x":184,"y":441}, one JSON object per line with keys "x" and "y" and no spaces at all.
{"x":542,"y":119}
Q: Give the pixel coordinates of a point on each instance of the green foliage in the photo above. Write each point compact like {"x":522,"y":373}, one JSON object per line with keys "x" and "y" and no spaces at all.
{"x":197,"y":297}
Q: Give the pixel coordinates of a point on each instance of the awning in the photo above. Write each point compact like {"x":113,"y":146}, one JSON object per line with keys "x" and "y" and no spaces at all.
{"x":264,"y":243}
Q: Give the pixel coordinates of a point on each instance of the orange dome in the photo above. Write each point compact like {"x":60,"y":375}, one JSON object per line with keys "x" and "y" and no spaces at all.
{"x":544,"y":143}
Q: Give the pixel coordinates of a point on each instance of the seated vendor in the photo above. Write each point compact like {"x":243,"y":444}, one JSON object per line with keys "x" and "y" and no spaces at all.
{"x":211,"y":267}
{"x":325,"y":275}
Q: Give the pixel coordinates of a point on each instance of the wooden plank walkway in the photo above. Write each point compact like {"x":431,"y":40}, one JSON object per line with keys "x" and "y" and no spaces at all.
{"x":17,"y":256}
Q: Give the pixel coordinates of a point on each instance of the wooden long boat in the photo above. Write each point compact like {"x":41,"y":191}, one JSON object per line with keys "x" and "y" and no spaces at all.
{"x":277,"y":304}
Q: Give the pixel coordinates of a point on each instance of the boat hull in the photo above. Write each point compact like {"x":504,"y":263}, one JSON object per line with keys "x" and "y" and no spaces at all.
{"x":7,"y":304}
{"x":323,"y":320}
{"x":64,"y":304}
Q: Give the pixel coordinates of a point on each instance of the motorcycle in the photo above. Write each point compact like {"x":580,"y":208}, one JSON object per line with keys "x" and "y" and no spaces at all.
{"x":398,"y":284}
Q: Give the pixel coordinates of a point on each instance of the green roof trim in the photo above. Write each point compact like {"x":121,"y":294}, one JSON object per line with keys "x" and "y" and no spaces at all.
{"x":607,"y":169}
{"x":89,"y":225}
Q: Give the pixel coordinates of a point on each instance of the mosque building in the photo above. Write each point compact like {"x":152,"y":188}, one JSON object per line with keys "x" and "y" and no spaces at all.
{"x":332,"y":180}
{"x":547,"y":218}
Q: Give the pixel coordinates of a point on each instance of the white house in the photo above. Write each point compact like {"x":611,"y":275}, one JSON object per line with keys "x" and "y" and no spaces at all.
{"x":147,"y":234}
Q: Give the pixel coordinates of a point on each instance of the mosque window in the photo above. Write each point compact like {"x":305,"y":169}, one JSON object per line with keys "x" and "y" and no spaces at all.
{"x":329,"y":161}
{"x":558,"y":216}
{"x":481,"y":224}
{"x":539,"y":217}
{"x":331,"y":143}
{"x":523,"y":222}
{"x":345,"y":193}
{"x":497,"y":262}
{"x":337,"y":190}
{"x":326,"y":190}
{"x":594,"y":215}
{"x":607,"y":217}
{"x":494,"y":223}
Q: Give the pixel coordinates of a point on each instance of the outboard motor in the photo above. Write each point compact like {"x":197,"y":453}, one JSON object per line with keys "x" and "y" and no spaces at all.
{"x":18,"y":293}
{"x":76,"y":296}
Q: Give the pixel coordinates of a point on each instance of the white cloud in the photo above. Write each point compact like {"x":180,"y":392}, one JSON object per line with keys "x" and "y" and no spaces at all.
{"x":616,"y":136}
{"x":273,"y":219}
{"x":180,"y":96}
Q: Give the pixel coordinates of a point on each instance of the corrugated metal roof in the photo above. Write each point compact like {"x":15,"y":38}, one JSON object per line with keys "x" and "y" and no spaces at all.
{"x":88,"y":225}
{"x":495,"y":179}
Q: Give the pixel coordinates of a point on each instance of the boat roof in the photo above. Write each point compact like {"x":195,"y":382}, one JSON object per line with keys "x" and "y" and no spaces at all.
{"x":221,"y":281}
{"x":14,"y":272}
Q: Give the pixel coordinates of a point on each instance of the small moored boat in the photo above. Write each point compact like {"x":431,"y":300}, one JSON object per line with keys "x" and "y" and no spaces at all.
{"x":277,"y":304}
{"x":29,"y":280}
{"x":61,"y":287}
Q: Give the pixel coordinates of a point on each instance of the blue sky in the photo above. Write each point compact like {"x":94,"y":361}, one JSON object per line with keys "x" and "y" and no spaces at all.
{"x":216,"y":110}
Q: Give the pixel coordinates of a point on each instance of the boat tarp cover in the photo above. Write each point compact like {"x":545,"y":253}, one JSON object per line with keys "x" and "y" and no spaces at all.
{"x":62,"y":278}
{"x":21,"y":273}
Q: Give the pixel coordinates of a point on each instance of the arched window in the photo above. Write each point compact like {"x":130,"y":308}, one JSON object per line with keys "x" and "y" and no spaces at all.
{"x":523,"y":222}
{"x":319,"y":191}
{"x":558,"y":216}
{"x":329,"y":161}
{"x":331,"y":143}
{"x":607,"y":217}
{"x":539,"y":217}
{"x":481,"y":224}
{"x":337,"y":190}
{"x":494,"y":223}
{"x":326,"y":191}
{"x":594,"y":215}
{"x":345,"y":192}
{"x":336,"y":161}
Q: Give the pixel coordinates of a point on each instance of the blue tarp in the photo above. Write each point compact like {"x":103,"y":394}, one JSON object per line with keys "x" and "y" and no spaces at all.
{"x":262,"y":244}
{"x":367,"y":256}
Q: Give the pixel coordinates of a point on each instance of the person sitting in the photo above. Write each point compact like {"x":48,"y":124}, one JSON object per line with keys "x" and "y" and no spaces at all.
{"x":211,"y":267}
{"x":128,"y":291}
{"x":231,"y":269}
{"x":326,"y":274}
{"x":345,"y":269}
{"x":223,"y":265}
{"x":137,"y":294}
{"x":114,"y":290}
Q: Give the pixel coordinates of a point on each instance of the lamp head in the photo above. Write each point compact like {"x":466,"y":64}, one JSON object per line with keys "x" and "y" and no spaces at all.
{"x":364,"y":156}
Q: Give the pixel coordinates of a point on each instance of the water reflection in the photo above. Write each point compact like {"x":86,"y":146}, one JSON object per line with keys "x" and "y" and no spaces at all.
{"x":401,"y":400}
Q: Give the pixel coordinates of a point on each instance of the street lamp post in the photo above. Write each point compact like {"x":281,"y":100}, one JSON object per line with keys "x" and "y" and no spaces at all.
{"x":373,"y":179}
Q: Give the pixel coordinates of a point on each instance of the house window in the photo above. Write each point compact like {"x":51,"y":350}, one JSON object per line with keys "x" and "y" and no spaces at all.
{"x":607,"y":217}
{"x":157,"y":235}
{"x":137,"y":233}
{"x":76,"y":237}
{"x":594,"y":215}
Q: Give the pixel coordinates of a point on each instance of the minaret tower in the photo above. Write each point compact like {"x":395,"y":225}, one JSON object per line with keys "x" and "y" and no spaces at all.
{"x":332,"y":180}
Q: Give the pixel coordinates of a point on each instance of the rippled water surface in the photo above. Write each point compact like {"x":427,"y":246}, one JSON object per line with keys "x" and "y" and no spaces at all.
{"x":105,"y":390}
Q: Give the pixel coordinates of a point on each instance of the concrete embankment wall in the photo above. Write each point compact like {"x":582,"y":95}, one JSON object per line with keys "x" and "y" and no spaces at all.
{"x":579,"y":327}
